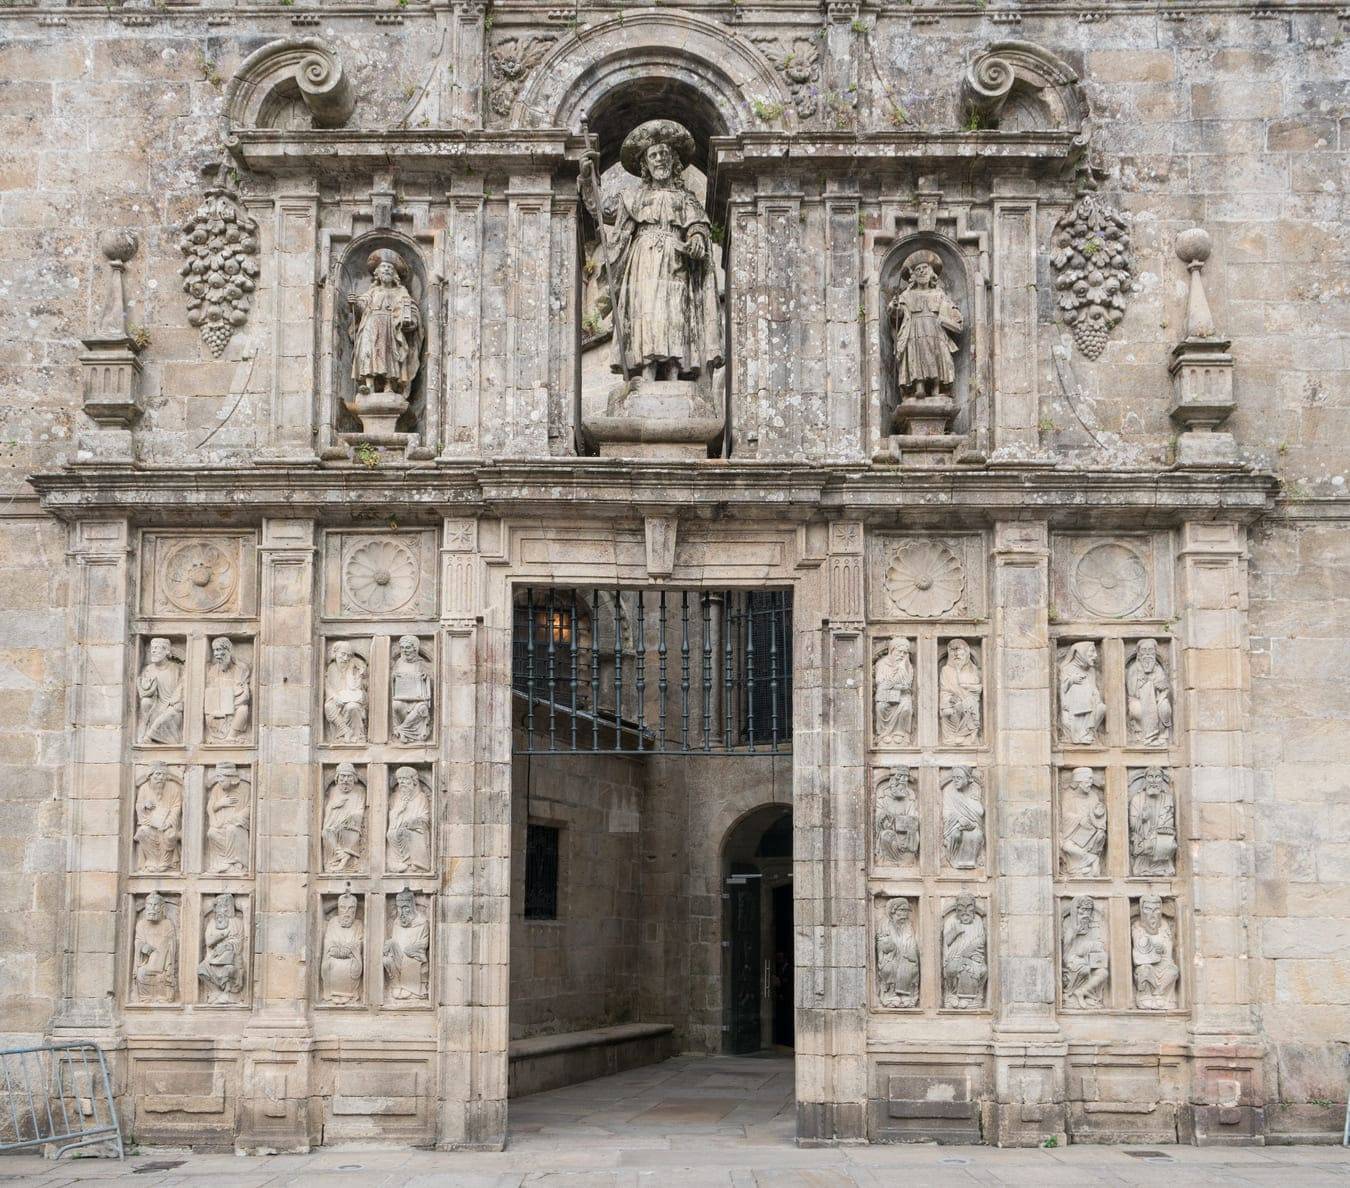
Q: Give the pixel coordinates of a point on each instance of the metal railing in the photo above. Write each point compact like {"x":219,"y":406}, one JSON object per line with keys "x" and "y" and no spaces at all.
{"x":57,"y":1096}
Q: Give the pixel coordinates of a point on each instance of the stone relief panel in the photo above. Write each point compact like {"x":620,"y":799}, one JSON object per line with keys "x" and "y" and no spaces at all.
{"x":227,"y":709}
{"x":965,"y":953}
{"x":412,"y":684}
{"x":1091,"y":258}
{"x":1148,"y":695}
{"x":200,"y":575}
{"x":346,"y":692}
{"x":924,"y":577}
{"x":406,"y":955}
{"x":893,"y":693}
{"x":896,"y":825}
{"x":1082,"y":709}
{"x":1153,"y":954}
{"x":1085,"y":963}
{"x":960,"y":694}
{"x":342,"y":828}
{"x":379,"y":575}
{"x":1153,"y":823}
{"x":342,"y":950}
{"x":963,"y":818}
{"x":222,"y":972}
{"x":797,"y":59}
{"x":160,"y":693}
{"x":158,"y":830}
{"x":1110,"y":578}
{"x":408,"y":829}
{"x":1082,"y":823}
{"x":154,"y":965}
{"x":228,"y":820}
{"x":510,"y":60}
{"x":219,"y":243}
{"x":897,"y":952}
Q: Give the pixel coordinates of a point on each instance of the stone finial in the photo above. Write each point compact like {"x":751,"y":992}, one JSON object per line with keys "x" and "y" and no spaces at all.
{"x":1201,"y":368}
{"x":1193,"y":247}
{"x":112,"y":370}
{"x":117,"y":247}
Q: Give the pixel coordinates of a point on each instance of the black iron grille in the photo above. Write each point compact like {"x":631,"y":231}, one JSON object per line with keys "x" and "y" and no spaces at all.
{"x":653,"y":671}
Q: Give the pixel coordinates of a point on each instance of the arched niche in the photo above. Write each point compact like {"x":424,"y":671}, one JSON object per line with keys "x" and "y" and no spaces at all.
{"x":956,"y":279}
{"x":1017,"y":86}
{"x":353,"y":276}
{"x":290,"y":84}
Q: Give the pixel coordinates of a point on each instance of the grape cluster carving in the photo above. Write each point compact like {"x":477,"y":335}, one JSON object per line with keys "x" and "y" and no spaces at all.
{"x":219,"y":273}
{"x":1091,"y":256}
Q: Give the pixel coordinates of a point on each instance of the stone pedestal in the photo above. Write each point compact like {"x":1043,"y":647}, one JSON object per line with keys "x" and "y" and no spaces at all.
{"x":1202,"y":400}
{"x":655,"y":419}
{"x":378,"y":412}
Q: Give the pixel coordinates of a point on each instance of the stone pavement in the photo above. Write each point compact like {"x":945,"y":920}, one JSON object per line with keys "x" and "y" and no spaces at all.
{"x":693,"y":1122}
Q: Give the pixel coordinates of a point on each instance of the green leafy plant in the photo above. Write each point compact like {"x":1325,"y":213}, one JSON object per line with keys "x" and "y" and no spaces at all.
{"x":717,"y":232}
{"x":859,"y":25}
{"x":975,"y":122}
{"x":1046,"y":425}
{"x":1051,"y":1143}
{"x":766,"y":111}
{"x":367,"y":455}
{"x":591,"y":323}
{"x":140,"y":337}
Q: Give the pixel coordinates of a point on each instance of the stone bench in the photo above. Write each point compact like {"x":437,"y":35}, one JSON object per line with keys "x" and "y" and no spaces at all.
{"x":551,"y":1061}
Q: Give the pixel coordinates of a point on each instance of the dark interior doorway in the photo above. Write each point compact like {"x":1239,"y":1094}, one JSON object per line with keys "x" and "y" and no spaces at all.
{"x":757,"y":932}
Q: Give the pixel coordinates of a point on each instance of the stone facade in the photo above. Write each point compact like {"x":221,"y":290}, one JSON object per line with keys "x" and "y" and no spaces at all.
{"x":1031,"y":389}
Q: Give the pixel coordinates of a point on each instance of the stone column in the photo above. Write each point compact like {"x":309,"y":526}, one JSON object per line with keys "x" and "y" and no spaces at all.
{"x":1029,"y":1049}
{"x":1226,"y":1090}
{"x":829,"y":860}
{"x":474,"y":923}
{"x":277,"y":1112}
{"x":99,"y":597}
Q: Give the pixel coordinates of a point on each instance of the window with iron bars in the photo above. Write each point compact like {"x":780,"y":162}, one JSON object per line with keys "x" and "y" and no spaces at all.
{"x":652,"y":671}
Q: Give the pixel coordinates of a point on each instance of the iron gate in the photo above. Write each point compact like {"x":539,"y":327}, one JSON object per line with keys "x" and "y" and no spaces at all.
{"x":652,"y":671}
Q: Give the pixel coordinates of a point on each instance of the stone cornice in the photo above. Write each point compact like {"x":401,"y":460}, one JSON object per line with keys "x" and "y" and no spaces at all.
{"x":273,"y":151}
{"x":612,"y":490}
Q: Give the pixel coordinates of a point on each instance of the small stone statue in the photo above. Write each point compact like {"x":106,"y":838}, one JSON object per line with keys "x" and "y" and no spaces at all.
{"x":154,"y":953}
{"x":159,"y":822}
{"x":345,"y":694}
{"x":965,"y":955}
{"x":342,"y":963}
{"x":894,"y":696}
{"x":1148,"y":697}
{"x":963,"y":819}
{"x":897,"y":818}
{"x":667,"y":318}
{"x":343,"y":831}
{"x":408,"y":838}
{"x":228,"y":694}
{"x":1086,"y":968}
{"x":387,"y":328}
{"x":959,"y":695}
{"x":227,"y":820}
{"x":410,"y":702}
{"x":159,"y":689}
{"x":1153,"y":824}
{"x":1081,"y":708}
{"x":897,"y":956}
{"x":407,"y":951}
{"x":1153,"y":953}
{"x":925,"y":323}
{"x":222,"y":969}
{"x":1083,"y":844}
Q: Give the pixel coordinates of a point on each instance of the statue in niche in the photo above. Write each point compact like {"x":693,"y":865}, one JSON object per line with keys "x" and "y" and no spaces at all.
{"x":154,"y":953}
{"x":345,"y":694}
{"x":1153,"y":954}
{"x":227,"y":820}
{"x":926,"y":324}
{"x":894,"y":694}
{"x":963,"y":819}
{"x":410,"y":678}
{"x":1153,"y":824}
{"x":159,"y":690}
{"x":1083,"y":843}
{"x":407,"y":951}
{"x":344,"y":821}
{"x":1081,"y":708}
{"x":386,"y":330}
{"x":1148,"y":697}
{"x":659,"y":256}
{"x":1085,"y":968}
{"x":222,"y":967}
{"x":965,"y":955}
{"x":897,"y":956}
{"x":159,"y":821}
{"x":897,"y":818}
{"x":227,"y":694}
{"x":960,"y":689}
{"x":408,"y":838}
{"x":342,"y":961}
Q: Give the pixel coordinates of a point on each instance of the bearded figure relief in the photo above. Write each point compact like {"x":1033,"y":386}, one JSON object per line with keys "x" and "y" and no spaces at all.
{"x":386,"y":332}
